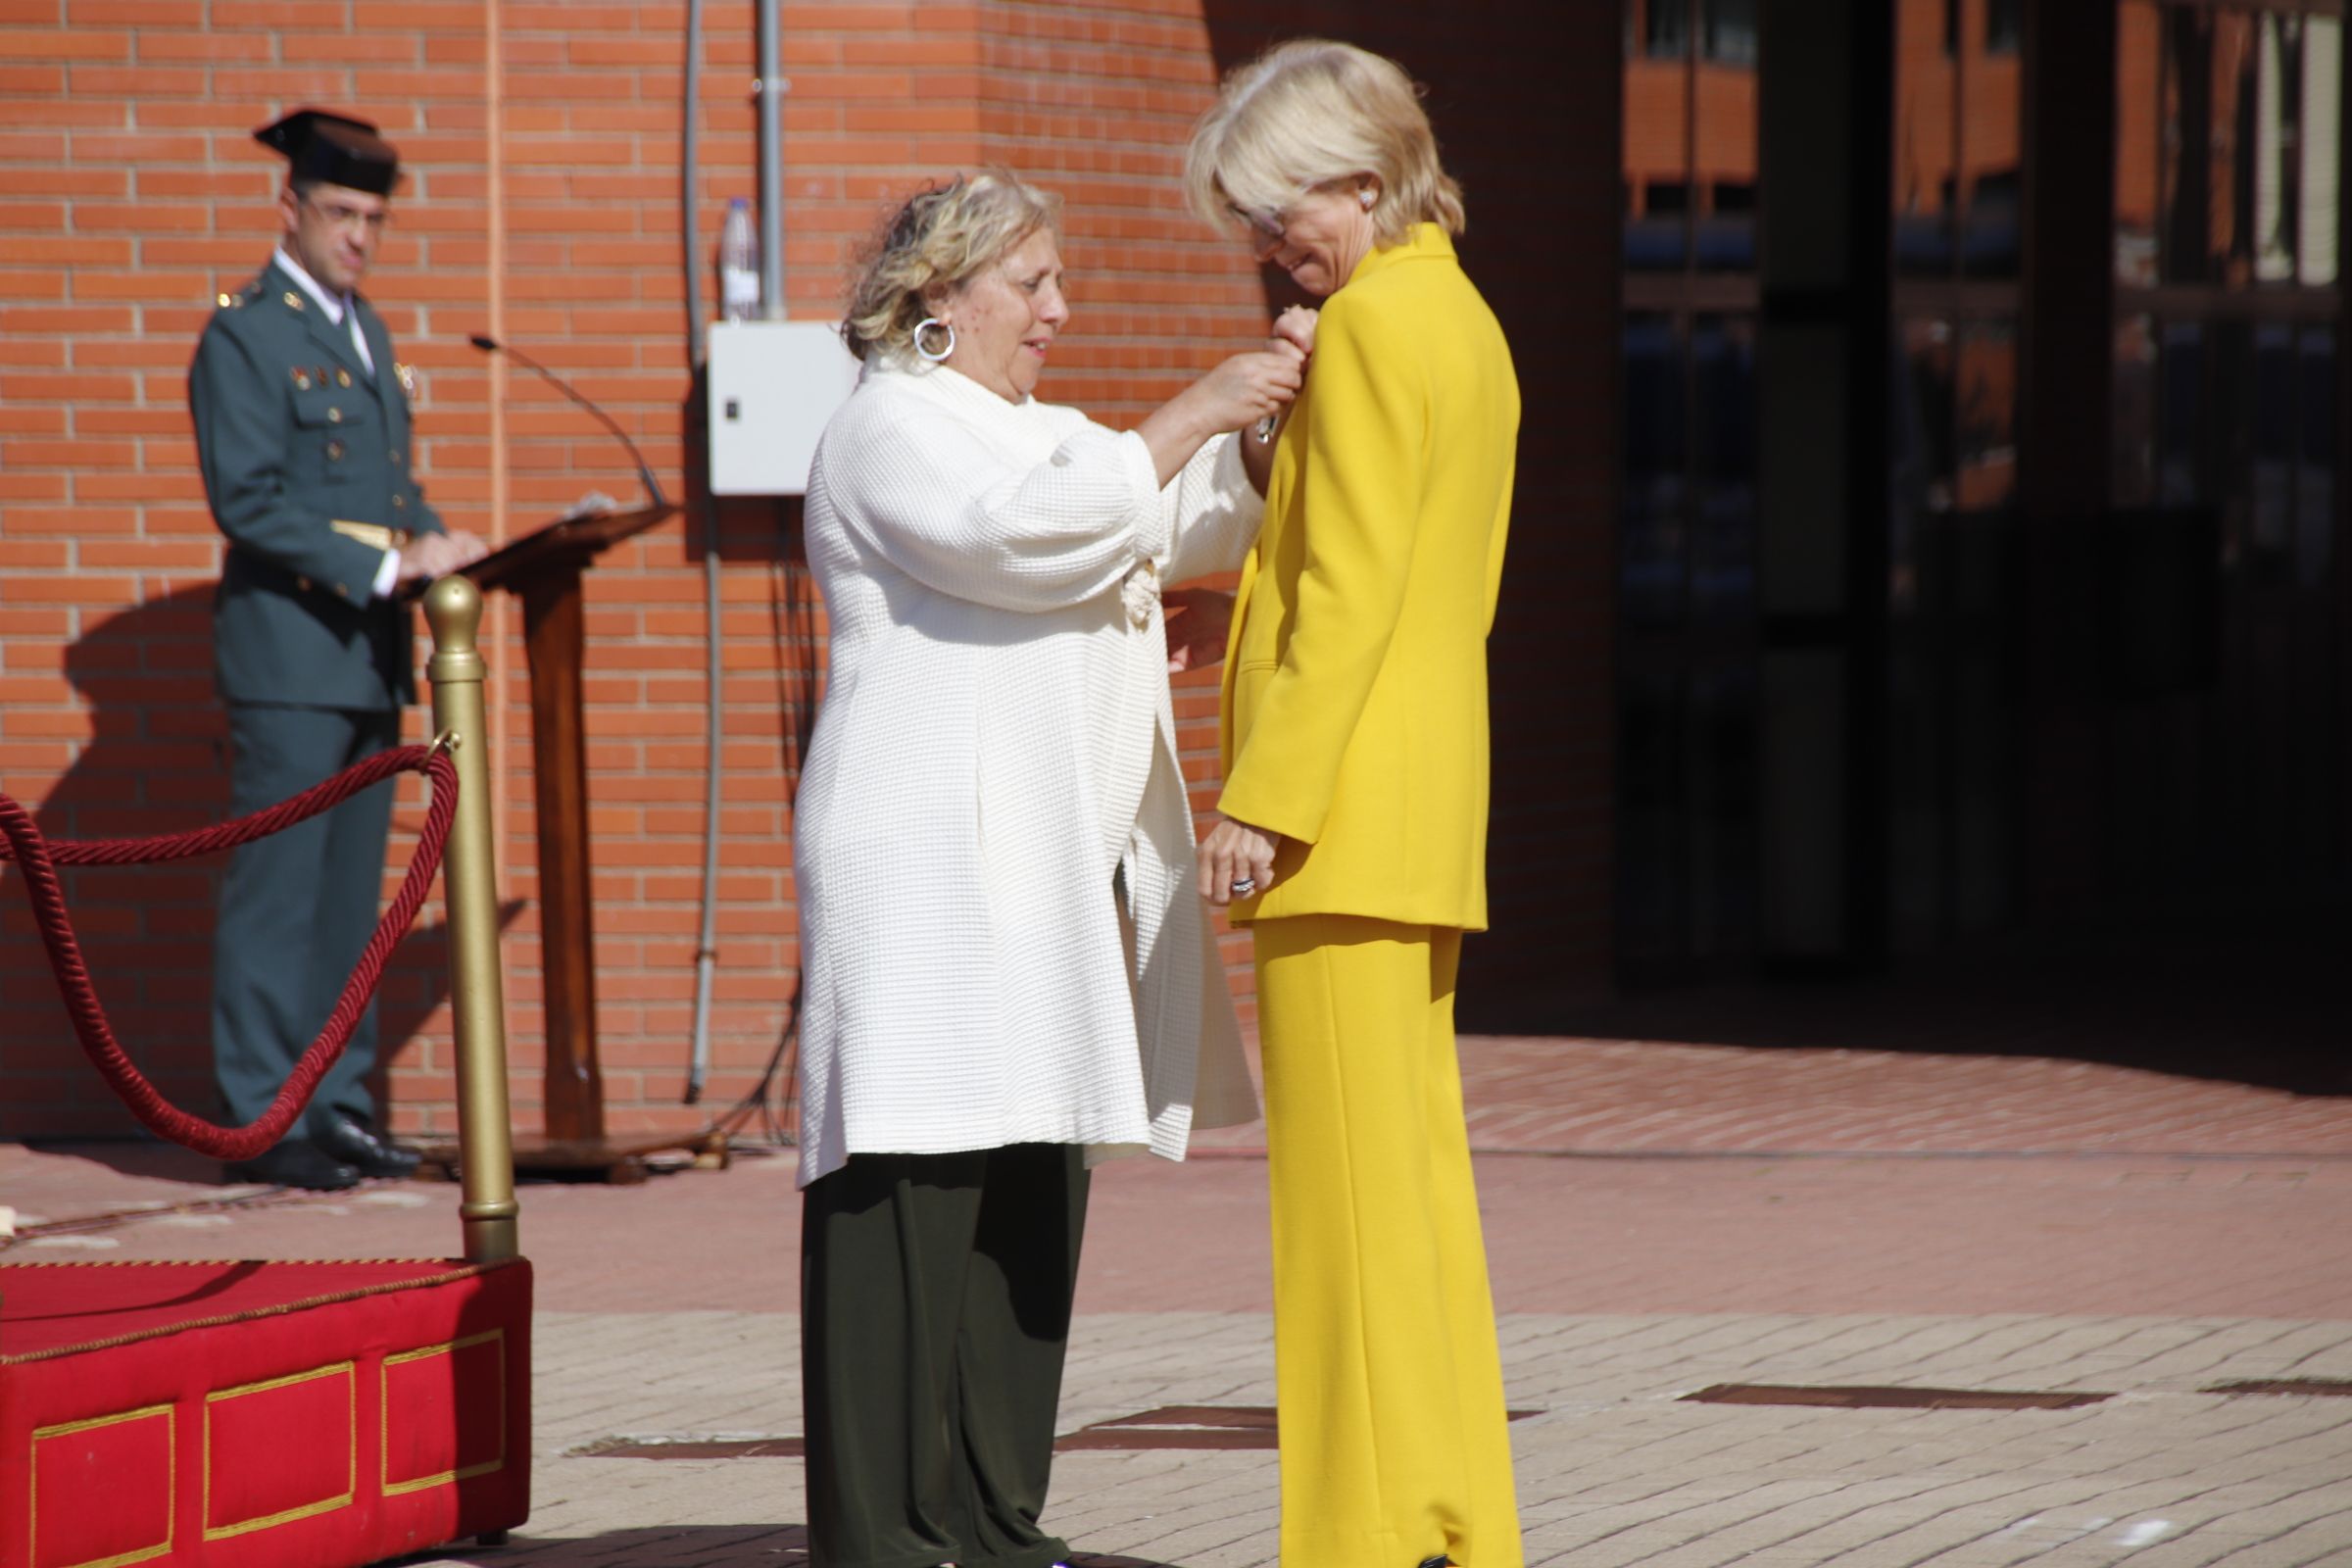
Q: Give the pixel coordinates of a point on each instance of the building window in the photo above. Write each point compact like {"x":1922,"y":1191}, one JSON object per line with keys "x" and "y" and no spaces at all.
{"x":1662,"y":25}
{"x":2228,"y":126}
{"x":2004,"y":26}
{"x":1957,"y":153}
{"x":1687,"y":788}
{"x":2227,"y":443}
{"x":1957,"y":160}
{"x":1728,"y":32}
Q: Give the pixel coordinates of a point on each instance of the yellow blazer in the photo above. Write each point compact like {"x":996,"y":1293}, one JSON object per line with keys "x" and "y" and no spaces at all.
{"x":1355,"y":702}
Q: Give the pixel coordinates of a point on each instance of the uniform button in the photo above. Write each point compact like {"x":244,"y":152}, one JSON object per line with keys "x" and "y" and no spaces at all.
{"x":400,"y":503}
{"x":225,"y":302}
{"x":334,"y":415}
{"x":335,"y":451}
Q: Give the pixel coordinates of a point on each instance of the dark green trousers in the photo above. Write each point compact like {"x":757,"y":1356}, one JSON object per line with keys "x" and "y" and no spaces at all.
{"x":934,"y":1317}
{"x":297,"y":909}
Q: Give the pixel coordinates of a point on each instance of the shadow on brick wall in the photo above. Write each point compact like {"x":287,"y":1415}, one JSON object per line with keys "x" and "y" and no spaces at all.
{"x":762,"y":533}
{"x":156,"y":762}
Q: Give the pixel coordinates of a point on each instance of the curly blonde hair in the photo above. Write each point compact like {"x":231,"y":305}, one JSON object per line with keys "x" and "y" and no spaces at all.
{"x":941,"y":237}
{"x":1312,"y":113}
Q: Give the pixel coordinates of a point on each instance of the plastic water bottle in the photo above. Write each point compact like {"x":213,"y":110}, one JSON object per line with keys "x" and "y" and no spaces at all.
{"x":738,"y":264}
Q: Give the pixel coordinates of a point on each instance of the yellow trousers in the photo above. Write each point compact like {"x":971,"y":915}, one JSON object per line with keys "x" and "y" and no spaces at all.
{"x":1389,"y":1380}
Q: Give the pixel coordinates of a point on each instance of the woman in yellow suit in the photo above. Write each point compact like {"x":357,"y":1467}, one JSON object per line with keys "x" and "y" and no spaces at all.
{"x":1353,"y":839}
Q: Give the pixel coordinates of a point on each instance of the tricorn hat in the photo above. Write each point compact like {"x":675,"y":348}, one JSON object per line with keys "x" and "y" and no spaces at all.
{"x":335,"y":149}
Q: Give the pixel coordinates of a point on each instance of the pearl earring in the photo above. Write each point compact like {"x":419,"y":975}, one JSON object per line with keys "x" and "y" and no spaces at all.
{"x":1366,"y":197}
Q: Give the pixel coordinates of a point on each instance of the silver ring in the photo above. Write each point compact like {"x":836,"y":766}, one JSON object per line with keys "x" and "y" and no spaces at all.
{"x":1245,"y":887}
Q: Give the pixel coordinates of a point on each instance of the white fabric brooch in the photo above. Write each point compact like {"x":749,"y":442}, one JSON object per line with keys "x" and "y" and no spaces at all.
{"x":1139,"y":593}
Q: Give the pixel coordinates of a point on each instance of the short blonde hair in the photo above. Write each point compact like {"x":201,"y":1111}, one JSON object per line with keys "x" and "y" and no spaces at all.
{"x":940,"y":238}
{"x":1312,"y":113}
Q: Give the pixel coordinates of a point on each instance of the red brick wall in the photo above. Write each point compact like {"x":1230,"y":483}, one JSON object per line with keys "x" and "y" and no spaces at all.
{"x":543,"y":205}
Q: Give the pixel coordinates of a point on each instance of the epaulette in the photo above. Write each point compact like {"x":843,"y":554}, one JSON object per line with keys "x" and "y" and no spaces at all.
{"x":243,"y":297}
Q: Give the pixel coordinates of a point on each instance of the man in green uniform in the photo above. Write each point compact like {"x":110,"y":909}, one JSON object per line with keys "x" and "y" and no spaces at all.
{"x":302,"y":428}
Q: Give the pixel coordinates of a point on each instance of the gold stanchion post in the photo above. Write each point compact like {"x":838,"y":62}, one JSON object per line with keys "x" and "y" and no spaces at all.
{"x":453,"y":606}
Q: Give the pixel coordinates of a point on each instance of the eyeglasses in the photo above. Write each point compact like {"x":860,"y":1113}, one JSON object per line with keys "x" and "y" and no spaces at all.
{"x":1266,"y":229}
{"x":1270,"y":230}
{"x":338,"y":216}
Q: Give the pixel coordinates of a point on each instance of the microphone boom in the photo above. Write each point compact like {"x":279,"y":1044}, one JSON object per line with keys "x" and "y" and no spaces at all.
{"x":645,"y":472}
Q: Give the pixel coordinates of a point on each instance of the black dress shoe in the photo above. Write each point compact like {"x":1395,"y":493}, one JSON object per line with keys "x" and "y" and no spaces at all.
{"x":364,"y":1151}
{"x":1441,"y":1560}
{"x":296,"y":1162}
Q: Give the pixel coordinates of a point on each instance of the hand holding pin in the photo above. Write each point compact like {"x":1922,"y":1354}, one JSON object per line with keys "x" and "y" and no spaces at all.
{"x":1295,"y":328}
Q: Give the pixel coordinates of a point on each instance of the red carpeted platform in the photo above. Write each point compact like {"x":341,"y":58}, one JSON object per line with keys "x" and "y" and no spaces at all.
{"x":259,"y":1415}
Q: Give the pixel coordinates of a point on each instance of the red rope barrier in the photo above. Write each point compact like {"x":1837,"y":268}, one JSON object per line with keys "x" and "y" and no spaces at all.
{"x":38,"y":859}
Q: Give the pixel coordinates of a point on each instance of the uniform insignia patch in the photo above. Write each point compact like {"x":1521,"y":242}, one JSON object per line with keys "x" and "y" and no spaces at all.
{"x":293,"y":301}
{"x":302,"y":379}
{"x":407,"y":377}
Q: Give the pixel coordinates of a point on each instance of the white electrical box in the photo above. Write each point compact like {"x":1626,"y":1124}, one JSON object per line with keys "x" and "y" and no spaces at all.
{"x":773,"y":385}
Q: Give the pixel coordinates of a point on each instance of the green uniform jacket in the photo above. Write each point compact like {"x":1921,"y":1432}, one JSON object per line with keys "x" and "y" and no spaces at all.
{"x":294,"y":435}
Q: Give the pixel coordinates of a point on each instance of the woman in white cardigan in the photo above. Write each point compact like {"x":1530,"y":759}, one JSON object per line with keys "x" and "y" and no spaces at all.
{"x":1005,"y":976}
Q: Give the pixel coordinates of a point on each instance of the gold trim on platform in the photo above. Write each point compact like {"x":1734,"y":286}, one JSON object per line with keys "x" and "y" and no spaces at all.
{"x":457,"y":1271}
{"x":350,"y":1480}
{"x":400,"y":1489}
{"x":33,"y":1538}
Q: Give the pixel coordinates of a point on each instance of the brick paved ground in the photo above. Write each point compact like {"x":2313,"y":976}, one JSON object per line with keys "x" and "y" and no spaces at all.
{"x":1663,"y":1217}
{"x":1618,"y":1470}
{"x":1620,"y":1096}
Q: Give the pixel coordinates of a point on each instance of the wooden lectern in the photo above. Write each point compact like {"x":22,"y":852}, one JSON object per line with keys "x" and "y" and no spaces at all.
{"x":543,"y":569}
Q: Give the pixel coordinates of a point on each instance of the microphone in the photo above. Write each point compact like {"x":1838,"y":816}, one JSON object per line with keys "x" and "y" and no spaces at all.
{"x":645,"y":473}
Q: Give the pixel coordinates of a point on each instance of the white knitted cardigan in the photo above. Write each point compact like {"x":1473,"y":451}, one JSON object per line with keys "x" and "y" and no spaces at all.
{"x":996,"y":739}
